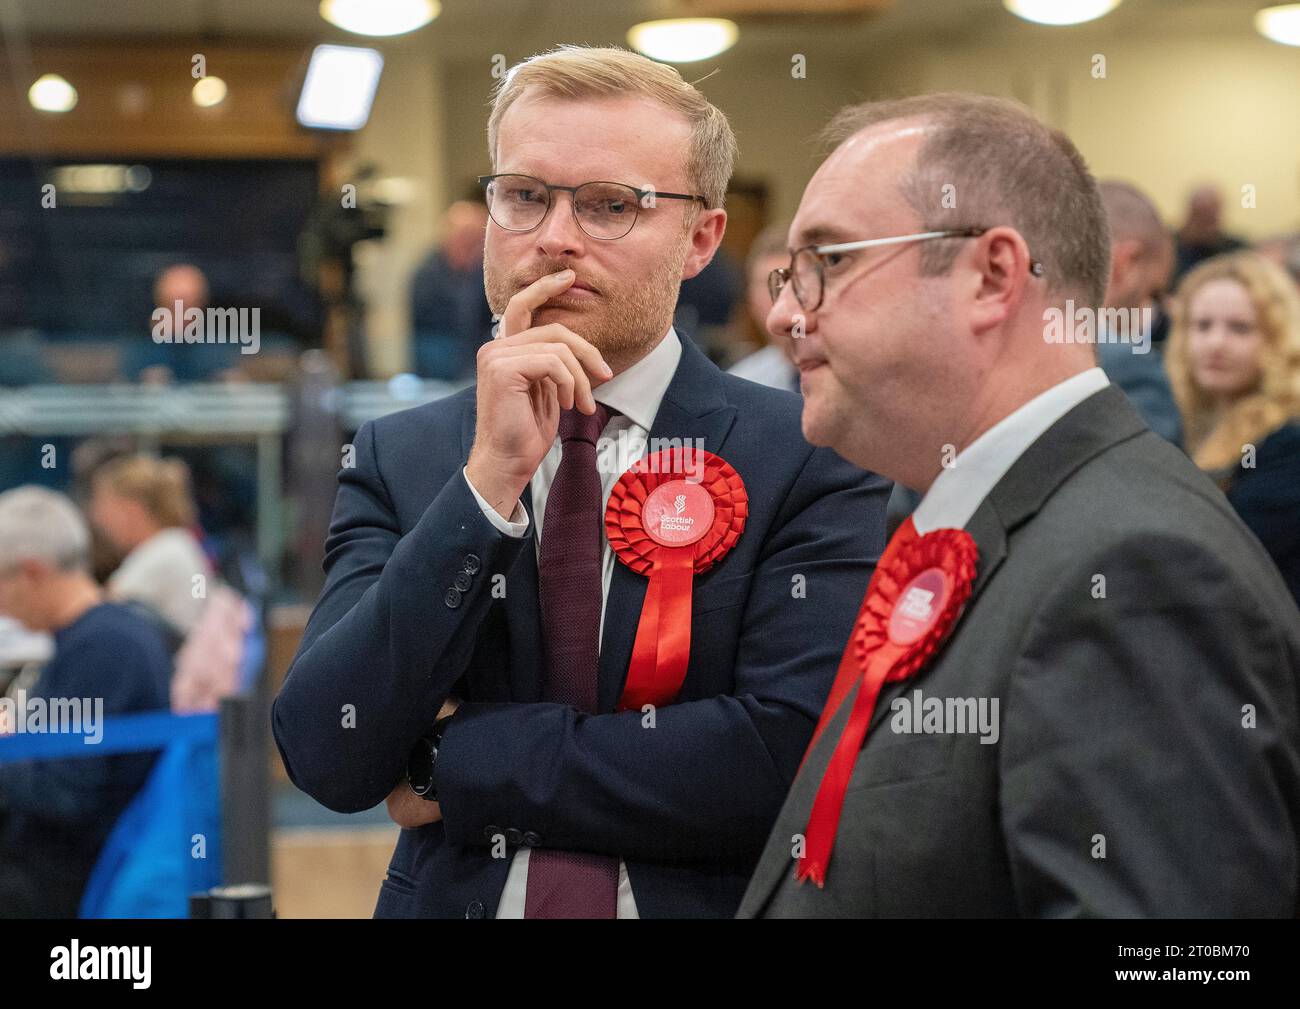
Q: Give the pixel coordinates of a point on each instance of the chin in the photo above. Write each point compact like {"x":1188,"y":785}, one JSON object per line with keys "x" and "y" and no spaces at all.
{"x":815,"y":430}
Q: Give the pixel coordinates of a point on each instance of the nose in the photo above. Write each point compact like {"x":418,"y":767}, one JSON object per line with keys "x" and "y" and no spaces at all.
{"x":559,"y":235}
{"x":787,"y":317}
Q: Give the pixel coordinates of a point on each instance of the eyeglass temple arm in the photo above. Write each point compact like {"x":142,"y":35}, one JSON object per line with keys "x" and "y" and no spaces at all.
{"x":1035,"y":266}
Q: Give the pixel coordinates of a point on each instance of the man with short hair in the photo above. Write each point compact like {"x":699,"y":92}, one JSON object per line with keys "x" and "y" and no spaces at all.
{"x":1072,"y":689}
{"x":56,"y":814}
{"x":1131,"y":326}
{"x":480,"y":638}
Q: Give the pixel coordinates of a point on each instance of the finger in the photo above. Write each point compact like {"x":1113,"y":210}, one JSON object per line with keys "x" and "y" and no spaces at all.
{"x":535,"y":367}
{"x":592,"y":360}
{"x":518,"y":315}
{"x":546,"y":400}
{"x":582,"y":383}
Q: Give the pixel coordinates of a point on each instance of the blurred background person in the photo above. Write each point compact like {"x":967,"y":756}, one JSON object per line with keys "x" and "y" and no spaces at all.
{"x":142,"y":505}
{"x":773,"y":364}
{"x":55,"y":814}
{"x":1234,"y":361}
{"x":176,"y":290}
{"x":1141,"y":257}
{"x":1201,"y":235}
{"x":450,"y":316}
{"x":1284,"y":250}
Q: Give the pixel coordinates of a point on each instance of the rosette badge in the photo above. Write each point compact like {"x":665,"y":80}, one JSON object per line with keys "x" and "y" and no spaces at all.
{"x":671,"y":516}
{"x":915,"y":598}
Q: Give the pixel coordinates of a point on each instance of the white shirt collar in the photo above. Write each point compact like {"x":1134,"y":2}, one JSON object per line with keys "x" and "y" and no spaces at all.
{"x":959,"y":489}
{"x":637,"y":392}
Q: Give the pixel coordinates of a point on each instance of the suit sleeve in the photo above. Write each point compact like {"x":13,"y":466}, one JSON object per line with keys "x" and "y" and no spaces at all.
{"x":1148,"y":749}
{"x":707,"y":780}
{"x":389,"y":636}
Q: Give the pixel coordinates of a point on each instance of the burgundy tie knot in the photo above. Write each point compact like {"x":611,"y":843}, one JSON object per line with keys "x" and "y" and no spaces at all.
{"x":578,"y":426}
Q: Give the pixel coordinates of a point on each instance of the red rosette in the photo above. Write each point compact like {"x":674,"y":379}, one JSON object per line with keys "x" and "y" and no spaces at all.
{"x":665,"y":543}
{"x":916,"y":596}
{"x":628,"y":537}
{"x":951,"y":555}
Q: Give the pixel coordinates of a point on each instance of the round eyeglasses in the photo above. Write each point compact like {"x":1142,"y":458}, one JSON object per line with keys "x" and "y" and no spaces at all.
{"x":603,"y":210}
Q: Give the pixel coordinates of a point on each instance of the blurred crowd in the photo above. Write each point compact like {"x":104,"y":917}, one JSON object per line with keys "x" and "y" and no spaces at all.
{"x":113,"y":600}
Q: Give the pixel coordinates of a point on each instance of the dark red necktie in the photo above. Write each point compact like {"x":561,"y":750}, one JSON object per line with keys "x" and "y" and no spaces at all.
{"x":568,"y":884}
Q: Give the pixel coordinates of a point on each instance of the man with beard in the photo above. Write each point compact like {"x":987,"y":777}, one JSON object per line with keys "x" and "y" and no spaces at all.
{"x":562,"y":732}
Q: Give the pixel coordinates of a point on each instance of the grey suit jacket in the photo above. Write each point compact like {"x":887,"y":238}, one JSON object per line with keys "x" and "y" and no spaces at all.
{"x":1143,"y":652}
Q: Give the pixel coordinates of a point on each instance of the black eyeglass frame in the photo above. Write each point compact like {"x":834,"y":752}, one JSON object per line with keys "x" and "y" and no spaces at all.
{"x":641,"y":194}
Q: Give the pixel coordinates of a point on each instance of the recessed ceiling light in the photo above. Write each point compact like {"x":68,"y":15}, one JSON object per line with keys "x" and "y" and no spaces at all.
{"x":1281,"y":24}
{"x":683,"y":40}
{"x":51,"y":93}
{"x":1060,"y":12}
{"x":380,"y":17}
{"x":208,"y":91}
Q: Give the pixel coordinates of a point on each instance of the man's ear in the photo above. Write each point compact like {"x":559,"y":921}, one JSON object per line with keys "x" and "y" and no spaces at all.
{"x":1001,"y":264}
{"x":706,"y":236}
{"x":1124,"y":255}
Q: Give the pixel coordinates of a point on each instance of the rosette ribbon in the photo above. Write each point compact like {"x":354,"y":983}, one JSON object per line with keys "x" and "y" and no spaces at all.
{"x":671,"y":516}
{"x":915,"y":597}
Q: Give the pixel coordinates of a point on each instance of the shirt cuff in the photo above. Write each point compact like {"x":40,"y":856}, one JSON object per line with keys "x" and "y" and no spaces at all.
{"x":518,"y":524}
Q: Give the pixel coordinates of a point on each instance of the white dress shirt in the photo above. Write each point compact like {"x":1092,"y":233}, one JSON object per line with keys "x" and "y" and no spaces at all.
{"x":959,"y":489}
{"x":636,"y":394}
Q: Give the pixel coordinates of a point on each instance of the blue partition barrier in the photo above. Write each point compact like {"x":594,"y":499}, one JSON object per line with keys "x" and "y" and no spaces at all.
{"x":167,"y":842}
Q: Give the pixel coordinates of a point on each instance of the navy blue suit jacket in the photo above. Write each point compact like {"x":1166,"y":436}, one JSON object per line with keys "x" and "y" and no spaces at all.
{"x":688,"y":803}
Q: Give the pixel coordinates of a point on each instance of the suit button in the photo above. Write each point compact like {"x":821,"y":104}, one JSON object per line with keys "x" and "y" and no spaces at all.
{"x":532,"y":839}
{"x":475,"y":909}
{"x":514,"y":837}
{"x":472,"y":564}
{"x":452,"y":598}
{"x":490,"y":832}
{"x":462,"y":582}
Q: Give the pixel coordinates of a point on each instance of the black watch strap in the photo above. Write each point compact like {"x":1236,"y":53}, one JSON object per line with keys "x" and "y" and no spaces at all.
{"x":423,"y":760}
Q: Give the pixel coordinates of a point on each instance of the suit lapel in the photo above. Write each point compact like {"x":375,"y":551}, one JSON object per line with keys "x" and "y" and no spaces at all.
{"x":1102,"y":420}
{"x":990,"y":539}
{"x":694,"y":406}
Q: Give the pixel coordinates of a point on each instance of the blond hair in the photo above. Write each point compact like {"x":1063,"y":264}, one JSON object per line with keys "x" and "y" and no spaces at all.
{"x":571,"y":72}
{"x":162,"y":486}
{"x":1215,"y":441}
{"x":1006,"y":168}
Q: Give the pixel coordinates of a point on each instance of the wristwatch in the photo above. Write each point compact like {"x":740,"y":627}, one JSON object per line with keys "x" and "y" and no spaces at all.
{"x":423,"y":759}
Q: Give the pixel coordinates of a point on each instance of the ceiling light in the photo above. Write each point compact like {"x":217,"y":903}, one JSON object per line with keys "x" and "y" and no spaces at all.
{"x":1281,"y":24}
{"x":380,"y":17}
{"x":208,"y":91}
{"x":339,"y":87}
{"x":51,"y":93}
{"x":1060,"y":12}
{"x":683,"y":40}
